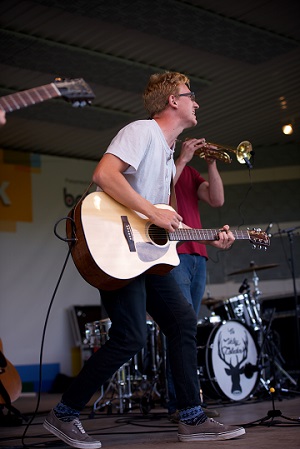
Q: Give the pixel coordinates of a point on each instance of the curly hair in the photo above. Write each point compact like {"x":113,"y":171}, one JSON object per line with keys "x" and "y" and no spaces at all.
{"x":159,"y":88}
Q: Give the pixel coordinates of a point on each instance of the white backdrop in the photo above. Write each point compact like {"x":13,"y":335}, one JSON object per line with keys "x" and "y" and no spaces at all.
{"x":31,"y":261}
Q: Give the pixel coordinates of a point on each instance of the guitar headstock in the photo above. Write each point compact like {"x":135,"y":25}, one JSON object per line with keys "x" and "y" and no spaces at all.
{"x":77,"y":91}
{"x":259,"y":239}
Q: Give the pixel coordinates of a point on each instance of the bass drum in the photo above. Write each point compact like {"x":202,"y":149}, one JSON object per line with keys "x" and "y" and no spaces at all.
{"x":227,"y":359}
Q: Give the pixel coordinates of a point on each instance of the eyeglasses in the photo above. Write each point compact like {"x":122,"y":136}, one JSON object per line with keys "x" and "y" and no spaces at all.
{"x":188,"y":94}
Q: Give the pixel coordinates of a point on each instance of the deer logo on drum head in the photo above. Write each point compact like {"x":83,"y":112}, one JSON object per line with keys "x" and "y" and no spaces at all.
{"x":228,"y":351}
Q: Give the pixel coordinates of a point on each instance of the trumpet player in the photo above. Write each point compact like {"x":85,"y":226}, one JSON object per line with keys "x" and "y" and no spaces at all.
{"x":192,"y":189}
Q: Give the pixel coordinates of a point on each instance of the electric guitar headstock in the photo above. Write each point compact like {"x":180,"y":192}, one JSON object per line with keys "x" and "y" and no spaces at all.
{"x":259,"y":239}
{"x":77,"y":91}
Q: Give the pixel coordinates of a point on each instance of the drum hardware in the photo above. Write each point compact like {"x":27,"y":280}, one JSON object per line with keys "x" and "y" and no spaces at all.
{"x":270,"y":360}
{"x":96,"y":335}
{"x":213,"y":319}
{"x":157,"y":362}
{"x":119,"y":384}
{"x":273,"y":413}
{"x":141,"y":373}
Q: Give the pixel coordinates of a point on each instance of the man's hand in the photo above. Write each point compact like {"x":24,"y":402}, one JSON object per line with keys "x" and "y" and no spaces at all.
{"x":226,"y":238}
{"x":189,"y":147}
{"x":2,"y":117}
{"x":166,"y":218}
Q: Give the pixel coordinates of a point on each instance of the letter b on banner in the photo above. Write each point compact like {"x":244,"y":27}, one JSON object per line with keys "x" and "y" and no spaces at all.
{"x":69,"y":199}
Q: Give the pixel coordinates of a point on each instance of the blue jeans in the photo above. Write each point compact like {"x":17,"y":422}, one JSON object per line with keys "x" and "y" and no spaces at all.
{"x":190,"y":275}
{"x":126,"y":308}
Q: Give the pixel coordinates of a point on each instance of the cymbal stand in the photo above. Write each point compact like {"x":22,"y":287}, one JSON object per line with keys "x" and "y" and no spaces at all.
{"x":120,"y":382}
{"x":256,"y":298}
{"x":147,"y":399}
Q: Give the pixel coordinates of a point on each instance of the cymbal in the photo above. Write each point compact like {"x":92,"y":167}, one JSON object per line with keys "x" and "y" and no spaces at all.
{"x":254,"y":268}
{"x":212,"y":301}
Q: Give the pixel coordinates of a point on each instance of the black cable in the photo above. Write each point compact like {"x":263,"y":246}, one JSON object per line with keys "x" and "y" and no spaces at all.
{"x":243,"y":201}
{"x":65,"y":239}
{"x":220,"y":251}
{"x":42,"y":347}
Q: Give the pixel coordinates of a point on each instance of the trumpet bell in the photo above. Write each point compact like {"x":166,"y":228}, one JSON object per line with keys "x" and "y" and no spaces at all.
{"x":243,"y":151}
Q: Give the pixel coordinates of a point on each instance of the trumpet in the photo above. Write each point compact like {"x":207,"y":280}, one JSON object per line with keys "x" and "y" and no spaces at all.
{"x":243,"y":152}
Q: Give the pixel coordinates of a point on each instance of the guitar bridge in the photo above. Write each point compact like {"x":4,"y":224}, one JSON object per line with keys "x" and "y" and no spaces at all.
{"x":127,"y":231}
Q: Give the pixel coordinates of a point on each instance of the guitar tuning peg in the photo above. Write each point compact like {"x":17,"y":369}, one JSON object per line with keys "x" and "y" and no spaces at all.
{"x":253,"y":246}
{"x":76,"y":104}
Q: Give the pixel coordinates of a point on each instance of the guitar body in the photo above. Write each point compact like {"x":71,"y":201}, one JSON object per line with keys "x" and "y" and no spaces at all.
{"x":9,"y":378}
{"x":112,"y":243}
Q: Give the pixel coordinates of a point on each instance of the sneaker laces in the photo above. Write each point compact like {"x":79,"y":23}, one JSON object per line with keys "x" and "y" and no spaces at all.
{"x":79,"y":426}
{"x":215,"y":422}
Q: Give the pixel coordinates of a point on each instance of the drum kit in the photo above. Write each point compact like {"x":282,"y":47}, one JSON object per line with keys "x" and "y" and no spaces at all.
{"x":237,"y":355}
{"x":236,"y":345}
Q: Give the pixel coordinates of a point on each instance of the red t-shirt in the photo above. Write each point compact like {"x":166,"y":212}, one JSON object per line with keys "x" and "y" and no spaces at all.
{"x":187,"y":206}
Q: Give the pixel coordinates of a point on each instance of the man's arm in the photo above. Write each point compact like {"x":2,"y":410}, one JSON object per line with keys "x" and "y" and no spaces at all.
{"x":108,"y":175}
{"x":212,"y":191}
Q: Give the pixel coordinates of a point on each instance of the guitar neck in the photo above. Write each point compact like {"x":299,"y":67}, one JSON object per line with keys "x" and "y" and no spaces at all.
{"x":18,"y":100}
{"x":185,"y":235}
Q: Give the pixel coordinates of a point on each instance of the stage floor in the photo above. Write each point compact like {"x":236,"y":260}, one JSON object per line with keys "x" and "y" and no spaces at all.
{"x":135,"y":429}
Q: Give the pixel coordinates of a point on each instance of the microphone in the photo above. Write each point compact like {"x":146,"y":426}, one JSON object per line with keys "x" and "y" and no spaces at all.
{"x":247,"y":162}
{"x":250,"y":369}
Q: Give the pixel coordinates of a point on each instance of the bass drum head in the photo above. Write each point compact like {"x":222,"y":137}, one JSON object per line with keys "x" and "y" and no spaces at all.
{"x":231,"y":356}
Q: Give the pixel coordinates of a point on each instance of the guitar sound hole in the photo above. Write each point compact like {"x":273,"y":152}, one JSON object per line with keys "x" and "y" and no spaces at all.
{"x":158,"y":235}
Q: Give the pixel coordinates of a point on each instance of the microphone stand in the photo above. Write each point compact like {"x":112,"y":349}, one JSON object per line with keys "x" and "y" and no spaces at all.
{"x":268,"y":420}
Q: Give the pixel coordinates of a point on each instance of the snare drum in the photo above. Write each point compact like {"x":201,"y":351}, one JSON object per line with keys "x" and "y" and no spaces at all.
{"x":96,"y":333}
{"x":227,"y":358}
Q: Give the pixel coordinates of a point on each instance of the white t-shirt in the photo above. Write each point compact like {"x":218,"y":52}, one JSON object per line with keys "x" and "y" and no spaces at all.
{"x":142,"y":145}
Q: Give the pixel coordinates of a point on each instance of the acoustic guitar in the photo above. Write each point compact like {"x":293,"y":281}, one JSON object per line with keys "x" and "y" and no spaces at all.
{"x":10,"y":379}
{"x":76,"y":91}
{"x":111,"y":244}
